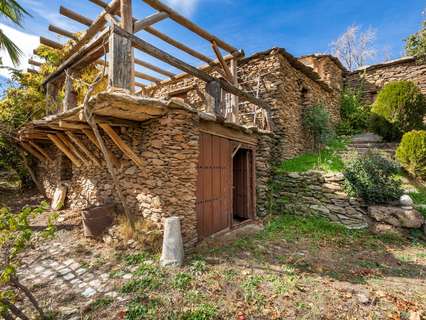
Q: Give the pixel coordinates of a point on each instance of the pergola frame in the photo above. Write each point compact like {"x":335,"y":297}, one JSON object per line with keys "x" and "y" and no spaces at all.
{"x":113,"y":32}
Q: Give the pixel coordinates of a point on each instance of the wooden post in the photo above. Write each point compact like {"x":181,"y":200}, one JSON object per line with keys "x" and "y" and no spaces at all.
{"x":234,"y":115}
{"x":70,"y":98}
{"x":214,"y":97}
{"x":120,"y":67}
{"x":51,"y":98}
{"x":127,"y":24}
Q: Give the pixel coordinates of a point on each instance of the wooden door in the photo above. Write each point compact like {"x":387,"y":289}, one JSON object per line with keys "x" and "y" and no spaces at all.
{"x":214,"y":206}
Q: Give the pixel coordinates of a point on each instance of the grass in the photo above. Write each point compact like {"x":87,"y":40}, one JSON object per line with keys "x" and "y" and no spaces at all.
{"x":327,"y":159}
{"x":419,"y":198}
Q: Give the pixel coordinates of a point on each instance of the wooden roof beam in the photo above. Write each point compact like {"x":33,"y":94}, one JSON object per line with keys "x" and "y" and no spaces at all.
{"x":222,"y":62}
{"x":33,"y":152}
{"x":50,"y":43}
{"x":148,"y":21}
{"x":83,"y":148}
{"x":177,"y":63}
{"x":154,"y":68}
{"x":62,"y":147}
{"x":91,"y":136}
{"x":41,"y":150}
{"x":75,"y":16}
{"x":158,"y":5}
{"x":70,"y":146}
{"x":35,"y":63}
{"x":62,"y":32}
{"x":145,"y":76}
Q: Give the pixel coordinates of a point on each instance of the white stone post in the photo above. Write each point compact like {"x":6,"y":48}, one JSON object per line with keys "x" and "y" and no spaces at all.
{"x":172,"y":254}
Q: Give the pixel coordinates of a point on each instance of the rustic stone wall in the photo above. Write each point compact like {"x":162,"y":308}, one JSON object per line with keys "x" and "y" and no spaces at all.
{"x":318,"y":193}
{"x":329,"y":68}
{"x":165,"y":186}
{"x":371,"y":79}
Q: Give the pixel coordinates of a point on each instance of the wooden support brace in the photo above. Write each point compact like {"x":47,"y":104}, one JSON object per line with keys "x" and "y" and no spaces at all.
{"x":62,"y":32}
{"x":83,"y":148}
{"x":51,"y":43}
{"x":62,"y":147}
{"x":35,"y":63}
{"x":92,"y":138}
{"x":73,"y":125}
{"x":122,"y":145}
{"x":148,"y":21}
{"x":33,"y":152}
{"x":70,"y":146}
{"x":41,"y":150}
{"x":222,"y":62}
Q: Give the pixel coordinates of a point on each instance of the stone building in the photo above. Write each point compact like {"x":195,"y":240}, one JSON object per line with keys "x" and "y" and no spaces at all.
{"x":372,"y":78}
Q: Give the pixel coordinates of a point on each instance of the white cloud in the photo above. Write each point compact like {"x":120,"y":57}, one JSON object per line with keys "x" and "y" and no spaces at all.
{"x":48,"y":13}
{"x":186,"y":7}
{"x":26,"y":42}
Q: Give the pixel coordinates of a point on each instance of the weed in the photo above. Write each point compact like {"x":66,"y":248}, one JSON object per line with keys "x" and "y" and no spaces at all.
{"x":230,"y":274}
{"x":100,"y":303}
{"x":135,"y":259}
{"x":138,"y":285}
{"x":137,"y":310}
{"x":182,"y":281}
{"x":198,"y":267}
{"x":250,"y":287}
{"x":201,"y":312}
{"x":419,"y":196}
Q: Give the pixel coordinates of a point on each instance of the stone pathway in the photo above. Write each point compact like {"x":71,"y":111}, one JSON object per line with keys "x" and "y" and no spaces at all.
{"x":50,"y":268}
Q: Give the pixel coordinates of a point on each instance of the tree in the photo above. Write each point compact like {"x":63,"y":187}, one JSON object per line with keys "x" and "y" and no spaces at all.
{"x":355,"y":47}
{"x":415,"y":45}
{"x":14,"y":12}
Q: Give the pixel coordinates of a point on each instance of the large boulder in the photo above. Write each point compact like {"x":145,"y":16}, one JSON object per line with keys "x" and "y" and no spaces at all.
{"x":396,"y":216}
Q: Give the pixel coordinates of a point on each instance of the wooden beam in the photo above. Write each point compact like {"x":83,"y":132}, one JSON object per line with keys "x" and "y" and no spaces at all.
{"x":178,"y":45}
{"x":51,"y":43}
{"x":122,"y":145}
{"x":70,"y":96}
{"x":140,"y":85}
{"x":62,"y":147}
{"x":177,"y":63}
{"x":30,"y":70}
{"x":68,"y":63}
{"x":126,"y":15}
{"x":92,"y":138}
{"x":148,"y":21}
{"x":120,"y":66}
{"x":35,"y":63}
{"x":222,"y":62}
{"x":154,"y":68}
{"x":41,"y":150}
{"x":75,"y":16}
{"x":33,"y":152}
{"x":62,"y":32}
{"x":70,"y":146}
{"x":73,"y":125}
{"x":83,"y":148}
{"x":145,"y":76}
{"x":158,"y":5}
{"x":95,"y":26}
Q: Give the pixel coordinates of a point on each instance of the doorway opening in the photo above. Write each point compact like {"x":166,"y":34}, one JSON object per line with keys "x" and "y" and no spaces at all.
{"x":242,"y":186}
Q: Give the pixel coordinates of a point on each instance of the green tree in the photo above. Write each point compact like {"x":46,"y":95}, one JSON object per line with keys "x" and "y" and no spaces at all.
{"x":415,"y":45}
{"x":316,"y":120}
{"x":14,"y":12}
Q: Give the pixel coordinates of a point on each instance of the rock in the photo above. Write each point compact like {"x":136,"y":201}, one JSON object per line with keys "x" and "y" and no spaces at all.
{"x":172,"y":254}
{"x":58,"y":200}
{"x":320,"y":208}
{"x":131,"y":171}
{"x":398,"y":217}
{"x":362,"y":298}
{"x":406,"y":201}
{"x":383,"y":228}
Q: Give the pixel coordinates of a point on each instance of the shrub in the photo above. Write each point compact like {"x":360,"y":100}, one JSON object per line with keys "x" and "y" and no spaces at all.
{"x":384,"y":128}
{"x":371,"y":177}
{"x":411,"y":152}
{"x":317,"y":121}
{"x":353,"y":112}
{"x":402,"y":104}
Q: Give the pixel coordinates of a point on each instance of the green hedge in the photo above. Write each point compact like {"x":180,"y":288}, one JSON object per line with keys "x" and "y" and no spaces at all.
{"x":411,"y":152}
{"x":402,"y":104}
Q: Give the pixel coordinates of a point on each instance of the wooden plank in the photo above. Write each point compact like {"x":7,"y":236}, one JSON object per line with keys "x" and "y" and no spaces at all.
{"x":154,"y":68}
{"x":232,"y":134}
{"x":83,"y":148}
{"x":122,"y":145}
{"x":158,"y":5}
{"x":50,"y":43}
{"x":178,"y":45}
{"x":222,"y":62}
{"x":120,"y":73}
{"x":41,"y":150}
{"x":140,"y":85}
{"x":71,"y":147}
{"x":163,"y":56}
{"x":33,"y":152}
{"x":62,"y":32}
{"x":145,"y":76}
{"x":148,"y":21}
{"x":75,"y":16}
{"x":62,"y":147}
{"x":30,"y":70}
{"x":92,"y":138}
{"x":35,"y":63}
{"x":73,"y":125}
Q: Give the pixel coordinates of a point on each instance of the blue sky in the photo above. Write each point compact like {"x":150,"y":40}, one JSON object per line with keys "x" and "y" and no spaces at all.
{"x":302,"y":26}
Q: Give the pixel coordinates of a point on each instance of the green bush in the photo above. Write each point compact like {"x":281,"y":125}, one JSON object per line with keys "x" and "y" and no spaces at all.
{"x":402,"y":104}
{"x":411,"y":152}
{"x":316,"y":120}
{"x":353,"y":112}
{"x":384,"y":128}
{"x":372,"y":177}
